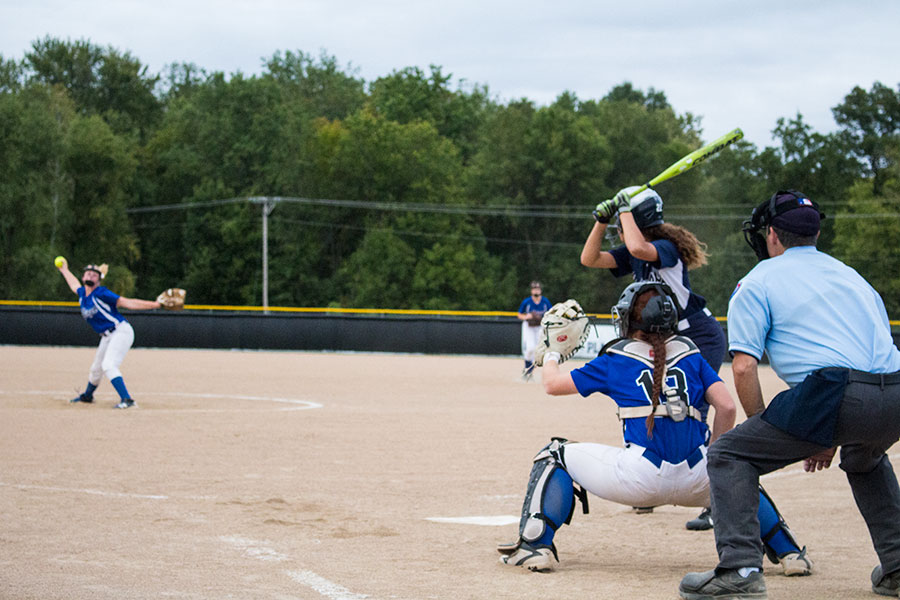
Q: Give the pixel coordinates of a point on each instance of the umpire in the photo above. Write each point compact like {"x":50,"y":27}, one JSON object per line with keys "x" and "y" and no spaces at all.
{"x":826,"y":333}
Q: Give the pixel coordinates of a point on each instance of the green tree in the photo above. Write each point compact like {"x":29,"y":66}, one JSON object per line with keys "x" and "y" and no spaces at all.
{"x":329,"y":92}
{"x":410,"y":95}
{"x":870,"y":123}
{"x":867,"y":235}
{"x":101,"y":81}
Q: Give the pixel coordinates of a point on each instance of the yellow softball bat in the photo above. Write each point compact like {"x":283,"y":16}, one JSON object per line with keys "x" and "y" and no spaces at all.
{"x":59,"y":261}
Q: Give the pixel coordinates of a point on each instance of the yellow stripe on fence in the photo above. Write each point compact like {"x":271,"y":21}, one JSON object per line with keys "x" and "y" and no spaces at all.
{"x":349,"y":311}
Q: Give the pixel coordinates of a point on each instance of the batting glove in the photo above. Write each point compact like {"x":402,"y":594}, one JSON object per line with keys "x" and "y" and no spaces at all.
{"x":606,"y":210}
{"x":623,"y":201}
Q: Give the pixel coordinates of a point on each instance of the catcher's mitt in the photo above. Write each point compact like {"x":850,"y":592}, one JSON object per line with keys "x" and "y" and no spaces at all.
{"x":172,"y":299}
{"x":565,"y":331}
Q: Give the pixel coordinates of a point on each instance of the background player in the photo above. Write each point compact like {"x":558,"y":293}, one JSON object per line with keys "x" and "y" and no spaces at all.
{"x":531,"y":310}
{"x":99,"y":307}
{"x":664,"y":458}
{"x":654,"y":250}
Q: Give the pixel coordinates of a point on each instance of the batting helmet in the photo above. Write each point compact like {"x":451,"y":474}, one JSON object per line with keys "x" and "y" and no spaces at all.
{"x":646,"y":208}
{"x":659,"y":315}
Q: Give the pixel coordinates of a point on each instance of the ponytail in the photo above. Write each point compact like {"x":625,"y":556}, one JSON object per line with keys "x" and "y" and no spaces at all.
{"x":658,"y":341}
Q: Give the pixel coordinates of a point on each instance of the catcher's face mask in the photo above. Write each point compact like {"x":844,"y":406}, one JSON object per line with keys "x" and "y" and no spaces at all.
{"x":761,"y":218}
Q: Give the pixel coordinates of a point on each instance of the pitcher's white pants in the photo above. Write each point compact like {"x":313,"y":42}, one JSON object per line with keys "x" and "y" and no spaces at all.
{"x":623,"y":475}
{"x":531,"y":335}
{"x":111,"y":352}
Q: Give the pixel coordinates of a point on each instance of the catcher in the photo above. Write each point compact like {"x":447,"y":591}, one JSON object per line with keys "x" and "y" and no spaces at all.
{"x":530,"y":312}
{"x":663,"y":388}
{"x":99,"y":307}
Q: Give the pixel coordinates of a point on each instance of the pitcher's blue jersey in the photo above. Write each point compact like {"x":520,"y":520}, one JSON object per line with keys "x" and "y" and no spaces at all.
{"x":629,"y":382}
{"x":99,"y":309}
{"x":528,"y":305}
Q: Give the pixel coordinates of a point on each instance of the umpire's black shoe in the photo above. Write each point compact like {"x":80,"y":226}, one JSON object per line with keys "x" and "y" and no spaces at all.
{"x":885,"y":585}
{"x":722,"y":584}
{"x":82,"y":398}
{"x":702,"y":522}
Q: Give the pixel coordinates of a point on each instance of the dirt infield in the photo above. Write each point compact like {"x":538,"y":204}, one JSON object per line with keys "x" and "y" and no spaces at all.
{"x":253,"y":475}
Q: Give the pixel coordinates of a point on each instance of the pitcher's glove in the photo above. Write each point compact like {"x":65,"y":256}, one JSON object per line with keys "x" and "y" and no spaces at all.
{"x":565,"y":331}
{"x":172,"y":299}
{"x":534,"y":318}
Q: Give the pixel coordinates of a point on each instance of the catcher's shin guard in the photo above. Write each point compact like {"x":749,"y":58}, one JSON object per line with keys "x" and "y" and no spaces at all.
{"x":778,"y":540}
{"x":550,"y":498}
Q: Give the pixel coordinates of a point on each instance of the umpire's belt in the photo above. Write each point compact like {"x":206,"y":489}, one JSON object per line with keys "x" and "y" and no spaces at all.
{"x":692,"y":459}
{"x":685,"y":323}
{"x":879,"y":379}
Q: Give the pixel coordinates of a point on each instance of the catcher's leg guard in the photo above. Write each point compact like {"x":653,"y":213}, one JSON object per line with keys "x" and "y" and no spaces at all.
{"x":778,"y":540}
{"x":549,"y":500}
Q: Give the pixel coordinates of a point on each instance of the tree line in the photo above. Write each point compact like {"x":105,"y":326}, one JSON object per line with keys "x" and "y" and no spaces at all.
{"x":422,"y":191}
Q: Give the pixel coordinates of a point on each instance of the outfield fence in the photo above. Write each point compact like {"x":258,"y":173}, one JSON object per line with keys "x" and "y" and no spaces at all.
{"x":283,"y":328}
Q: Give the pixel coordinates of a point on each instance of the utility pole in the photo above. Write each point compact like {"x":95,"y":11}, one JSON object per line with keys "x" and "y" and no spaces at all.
{"x":268,"y":205}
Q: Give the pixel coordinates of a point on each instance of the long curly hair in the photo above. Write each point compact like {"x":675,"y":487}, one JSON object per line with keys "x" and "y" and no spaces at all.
{"x":693,"y":251}
{"x":658,"y":343}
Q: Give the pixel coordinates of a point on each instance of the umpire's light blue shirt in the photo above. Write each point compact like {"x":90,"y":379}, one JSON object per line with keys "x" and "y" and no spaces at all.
{"x":808,"y":310}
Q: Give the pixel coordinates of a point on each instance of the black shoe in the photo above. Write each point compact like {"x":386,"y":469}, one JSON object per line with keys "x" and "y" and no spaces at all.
{"x":727,"y":584}
{"x":129,"y":403}
{"x":885,"y":585}
{"x":702,"y":522}
{"x":642,"y":510}
{"x":82,"y":398}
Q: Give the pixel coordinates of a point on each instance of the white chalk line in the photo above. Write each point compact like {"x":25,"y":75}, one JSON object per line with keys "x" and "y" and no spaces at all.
{"x":489,"y":521}
{"x":50,"y":488}
{"x":261,"y":550}
{"x":296,"y":403}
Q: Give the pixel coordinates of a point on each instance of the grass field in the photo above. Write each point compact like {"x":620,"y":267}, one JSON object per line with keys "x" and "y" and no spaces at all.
{"x":284,"y":475}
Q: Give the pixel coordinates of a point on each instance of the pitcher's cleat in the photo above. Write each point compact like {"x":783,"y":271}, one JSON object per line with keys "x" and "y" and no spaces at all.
{"x":126,"y":404}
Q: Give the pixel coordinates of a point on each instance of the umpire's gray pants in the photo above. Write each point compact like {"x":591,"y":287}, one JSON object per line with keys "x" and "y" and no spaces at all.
{"x":868,"y":424}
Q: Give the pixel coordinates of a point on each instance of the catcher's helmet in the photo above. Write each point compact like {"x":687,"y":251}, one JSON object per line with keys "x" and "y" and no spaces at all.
{"x":782,"y":201}
{"x":660,"y":315}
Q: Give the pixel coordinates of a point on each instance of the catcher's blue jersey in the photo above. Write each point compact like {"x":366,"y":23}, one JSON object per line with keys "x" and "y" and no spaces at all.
{"x":99,"y":309}
{"x":629,"y":382}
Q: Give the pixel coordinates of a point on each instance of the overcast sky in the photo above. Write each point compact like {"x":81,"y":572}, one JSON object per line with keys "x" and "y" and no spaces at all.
{"x":735,"y":64}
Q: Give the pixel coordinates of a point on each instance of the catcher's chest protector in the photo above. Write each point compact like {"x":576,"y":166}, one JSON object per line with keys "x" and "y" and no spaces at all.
{"x":677,"y":347}
{"x":675,"y":406}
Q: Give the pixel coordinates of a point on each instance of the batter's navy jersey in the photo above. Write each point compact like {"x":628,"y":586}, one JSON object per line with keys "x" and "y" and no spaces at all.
{"x":99,"y":309}
{"x":668,"y":268}
{"x":528,"y":305}
{"x":629,"y":382}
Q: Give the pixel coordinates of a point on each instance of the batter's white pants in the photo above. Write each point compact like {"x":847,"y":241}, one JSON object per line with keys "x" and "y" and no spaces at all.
{"x":111,"y":352}
{"x":623,"y":475}
{"x":531,"y":335}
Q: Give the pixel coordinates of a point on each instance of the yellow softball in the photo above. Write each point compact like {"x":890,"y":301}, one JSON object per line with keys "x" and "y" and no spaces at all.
{"x":59,"y":261}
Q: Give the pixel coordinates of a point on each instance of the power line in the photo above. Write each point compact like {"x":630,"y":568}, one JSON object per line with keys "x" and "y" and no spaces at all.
{"x":534,"y":211}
